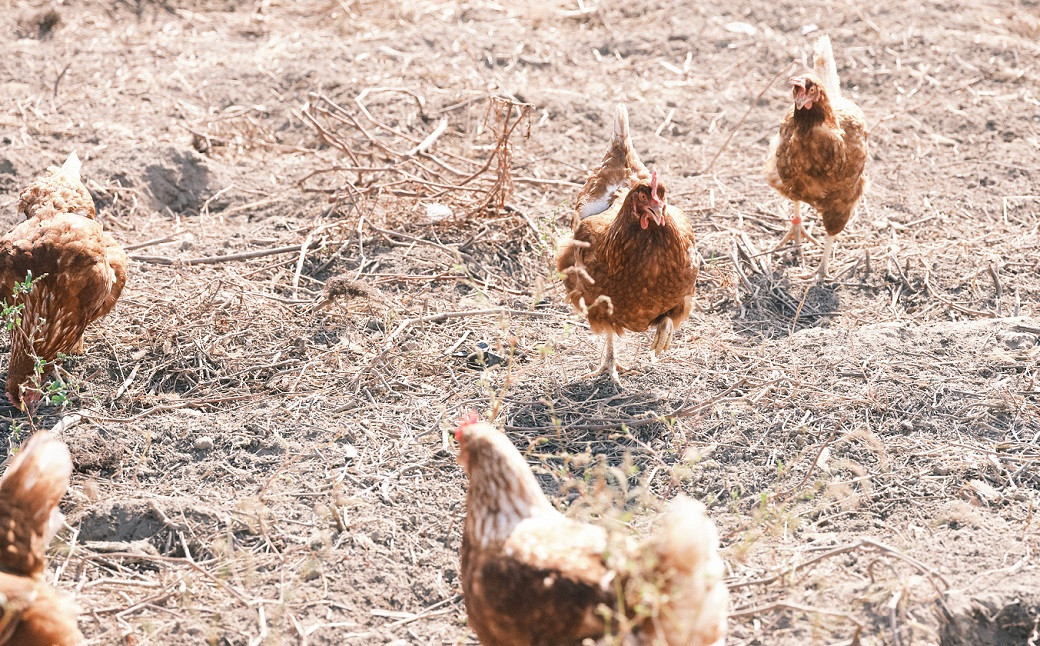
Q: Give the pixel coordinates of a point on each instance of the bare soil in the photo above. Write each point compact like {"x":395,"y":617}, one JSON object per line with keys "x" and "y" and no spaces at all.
{"x":257,"y":463}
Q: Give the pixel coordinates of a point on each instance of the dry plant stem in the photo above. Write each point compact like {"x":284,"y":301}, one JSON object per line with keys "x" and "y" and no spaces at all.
{"x":787,"y":605}
{"x":435,"y":318}
{"x":170,"y":559}
{"x":812,"y":466}
{"x":951,"y":304}
{"x":410,"y":174}
{"x":214,"y":260}
{"x":429,"y":141}
{"x":299,"y":264}
{"x":149,"y":243}
{"x":862,"y":543}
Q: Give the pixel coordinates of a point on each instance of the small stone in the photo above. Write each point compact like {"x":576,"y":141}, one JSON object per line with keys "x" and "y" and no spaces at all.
{"x":1020,"y":341}
{"x":204,"y":443}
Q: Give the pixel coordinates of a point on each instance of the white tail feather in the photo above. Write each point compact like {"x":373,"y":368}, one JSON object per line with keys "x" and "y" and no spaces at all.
{"x":621,"y":135}
{"x":825,"y":68}
{"x":70,"y":169}
{"x":687,"y":546}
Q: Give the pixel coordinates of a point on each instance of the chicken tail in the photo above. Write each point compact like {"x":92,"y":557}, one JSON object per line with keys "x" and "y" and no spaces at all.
{"x":824,"y":66}
{"x":29,"y":493}
{"x":688,"y":571}
{"x":70,"y":169}
{"x":621,"y":137}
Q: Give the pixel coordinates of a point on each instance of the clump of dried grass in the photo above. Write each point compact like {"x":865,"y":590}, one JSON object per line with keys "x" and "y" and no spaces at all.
{"x":376,"y":162}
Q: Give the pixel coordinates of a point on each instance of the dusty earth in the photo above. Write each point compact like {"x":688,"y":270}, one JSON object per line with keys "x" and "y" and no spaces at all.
{"x":257,"y":462}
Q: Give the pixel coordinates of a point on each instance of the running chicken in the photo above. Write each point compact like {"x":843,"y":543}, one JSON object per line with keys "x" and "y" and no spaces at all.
{"x":619,"y":171}
{"x":532,"y":577}
{"x":819,"y":154}
{"x":31,"y":612}
{"x":63,"y":269}
{"x":631,"y":266}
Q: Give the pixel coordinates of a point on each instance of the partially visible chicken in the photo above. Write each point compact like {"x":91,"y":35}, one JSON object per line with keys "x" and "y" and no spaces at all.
{"x":630,"y":267}
{"x":619,"y":171}
{"x":77,"y":270}
{"x":820,"y":152}
{"x":31,"y":612}
{"x":532,"y":577}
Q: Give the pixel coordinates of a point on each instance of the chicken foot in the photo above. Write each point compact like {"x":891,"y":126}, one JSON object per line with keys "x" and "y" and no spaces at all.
{"x":609,"y":365}
{"x":797,"y":232}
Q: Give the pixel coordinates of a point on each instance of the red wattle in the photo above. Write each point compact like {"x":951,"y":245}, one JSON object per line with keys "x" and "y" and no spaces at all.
{"x":644,"y":221}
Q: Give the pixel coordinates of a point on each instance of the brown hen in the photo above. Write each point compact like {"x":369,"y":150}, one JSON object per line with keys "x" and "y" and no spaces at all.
{"x":532,"y":577}
{"x":619,"y":171}
{"x":820,"y":152}
{"x":631,"y":267}
{"x":31,"y":612}
{"x":77,"y":272}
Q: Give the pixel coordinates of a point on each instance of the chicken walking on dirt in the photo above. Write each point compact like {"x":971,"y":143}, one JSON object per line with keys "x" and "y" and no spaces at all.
{"x":532,"y":577}
{"x":63,"y":269}
{"x":632,"y":265}
{"x":820,"y":152}
{"x":31,"y":612}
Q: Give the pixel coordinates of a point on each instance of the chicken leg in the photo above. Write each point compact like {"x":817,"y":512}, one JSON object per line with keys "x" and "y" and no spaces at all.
{"x":609,"y":364}
{"x":797,"y":232}
{"x":828,"y":246}
{"x":663,"y":337}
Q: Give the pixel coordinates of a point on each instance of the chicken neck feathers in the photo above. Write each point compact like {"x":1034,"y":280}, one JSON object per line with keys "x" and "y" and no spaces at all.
{"x":619,"y":170}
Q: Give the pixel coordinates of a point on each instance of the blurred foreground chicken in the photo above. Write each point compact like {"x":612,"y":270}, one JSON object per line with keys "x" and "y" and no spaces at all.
{"x":819,"y":154}
{"x":532,"y":577}
{"x":631,"y":266}
{"x":619,"y":171}
{"x":77,"y":272}
{"x":31,"y":612}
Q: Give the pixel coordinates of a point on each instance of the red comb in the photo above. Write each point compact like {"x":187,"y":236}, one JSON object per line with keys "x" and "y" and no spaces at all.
{"x":469,"y":418}
{"x":653,"y":183}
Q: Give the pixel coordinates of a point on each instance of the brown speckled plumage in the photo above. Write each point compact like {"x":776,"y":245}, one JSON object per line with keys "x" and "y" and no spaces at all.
{"x":647,"y":273}
{"x":532,"y":577}
{"x":53,"y":194}
{"x":78,"y":273}
{"x":31,"y":612}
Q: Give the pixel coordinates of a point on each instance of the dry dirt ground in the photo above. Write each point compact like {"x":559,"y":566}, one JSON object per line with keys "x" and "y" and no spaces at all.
{"x":258,"y":464}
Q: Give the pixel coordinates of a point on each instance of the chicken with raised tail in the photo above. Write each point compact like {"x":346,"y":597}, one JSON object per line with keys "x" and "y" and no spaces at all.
{"x":631,"y":266}
{"x":819,"y":154}
{"x":532,"y":577}
{"x":31,"y":612}
{"x":62,"y":269}
{"x":619,"y":171}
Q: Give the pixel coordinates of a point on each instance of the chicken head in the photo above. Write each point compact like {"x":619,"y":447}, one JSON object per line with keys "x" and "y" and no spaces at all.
{"x":807,"y":91}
